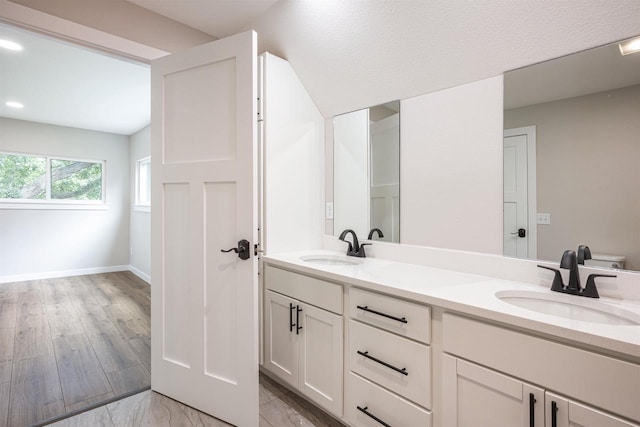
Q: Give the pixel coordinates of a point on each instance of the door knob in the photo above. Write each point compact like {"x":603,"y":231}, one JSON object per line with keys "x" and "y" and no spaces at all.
{"x":521,"y":232}
{"x":242,"y":250}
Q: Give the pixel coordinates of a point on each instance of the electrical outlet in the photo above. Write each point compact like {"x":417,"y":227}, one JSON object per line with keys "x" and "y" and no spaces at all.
{"x":329,"y":210}
{"x":544,"y":218}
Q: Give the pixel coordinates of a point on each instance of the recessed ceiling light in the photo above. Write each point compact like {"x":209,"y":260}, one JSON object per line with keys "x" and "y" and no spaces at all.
{"x":14,"y":104}
{"x":10,"y":45}
{"x":630,"y":46}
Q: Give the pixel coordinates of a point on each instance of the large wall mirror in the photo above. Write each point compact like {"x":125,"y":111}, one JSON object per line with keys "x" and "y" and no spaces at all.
{"x":366,"y":167}
{"x":572,"y":158}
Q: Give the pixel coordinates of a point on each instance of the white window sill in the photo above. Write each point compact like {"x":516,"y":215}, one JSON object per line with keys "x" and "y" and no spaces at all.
{"x":138,"y":208}
{"x":54,"y":206}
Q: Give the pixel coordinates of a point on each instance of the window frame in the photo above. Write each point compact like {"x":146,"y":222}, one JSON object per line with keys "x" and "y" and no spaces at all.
{"x":137,"y":206}
{"x":48,"y":202}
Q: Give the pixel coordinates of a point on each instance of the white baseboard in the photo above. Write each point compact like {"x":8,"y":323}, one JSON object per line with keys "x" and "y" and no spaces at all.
{"x":140,"y":274}
{"x":63,"y":273}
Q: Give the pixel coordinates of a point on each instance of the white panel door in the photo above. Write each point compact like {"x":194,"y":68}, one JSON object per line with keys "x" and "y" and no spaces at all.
{"x":515,"y":196}
{"x":204,"y":303}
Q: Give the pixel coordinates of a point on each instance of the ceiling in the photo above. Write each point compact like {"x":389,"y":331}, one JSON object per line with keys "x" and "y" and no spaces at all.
{"x":220,"y":18}
{"x":65,"y":85}
{"x":592,"y":71}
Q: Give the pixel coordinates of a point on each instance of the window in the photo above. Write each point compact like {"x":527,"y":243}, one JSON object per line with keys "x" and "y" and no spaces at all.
{"x":143,"y":182}
{"x":30,"y":178}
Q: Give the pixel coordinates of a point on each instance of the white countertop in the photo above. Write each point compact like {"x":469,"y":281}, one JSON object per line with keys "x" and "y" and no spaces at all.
{"x":469,"y":294}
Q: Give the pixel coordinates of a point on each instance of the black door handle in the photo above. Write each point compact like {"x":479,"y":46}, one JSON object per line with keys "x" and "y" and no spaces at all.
{"x":242,"y":250}
{"x":554,"y":415}
{"x":521,"y":232}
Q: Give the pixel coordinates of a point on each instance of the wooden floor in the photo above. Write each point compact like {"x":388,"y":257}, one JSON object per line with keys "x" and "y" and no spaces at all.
{"x":278,"y":408}
{"x":69,"y":343}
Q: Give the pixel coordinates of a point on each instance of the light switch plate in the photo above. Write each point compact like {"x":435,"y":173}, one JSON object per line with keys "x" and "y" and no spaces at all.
{"x":329,"y":210}
{"x":544,"y":218}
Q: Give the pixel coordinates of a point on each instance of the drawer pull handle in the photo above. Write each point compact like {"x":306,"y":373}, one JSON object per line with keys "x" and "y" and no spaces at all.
{"x":399,"y":319}
{"x":532,"y":410}
{"x":298,"y":327}
{"x":369,"y":414}
{"x":291,"y":324}
{"x":403,"y":371}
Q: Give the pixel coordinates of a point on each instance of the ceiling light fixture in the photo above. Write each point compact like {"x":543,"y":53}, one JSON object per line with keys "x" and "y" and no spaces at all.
{"x":14,"y":104}
{"x":630,"y":46}
{"x":10,"y":45}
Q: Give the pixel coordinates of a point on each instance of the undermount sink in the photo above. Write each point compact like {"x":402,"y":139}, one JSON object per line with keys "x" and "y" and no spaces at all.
{"x":570,"y":307}
{"x":322,"y":259}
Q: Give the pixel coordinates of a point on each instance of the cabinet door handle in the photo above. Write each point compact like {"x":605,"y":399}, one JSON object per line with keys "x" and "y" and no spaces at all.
{"x":388,"y":316}
{"x":291,"y":324}
{"x":298,"y":327}
{"x":403,"y":371}
{"x":369,"y":414}
{"x":532,"y":413}
{"x":554,"y":415}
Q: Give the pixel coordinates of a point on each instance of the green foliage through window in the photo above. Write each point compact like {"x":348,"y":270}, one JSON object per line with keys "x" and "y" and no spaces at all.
{"x":24,"y":177}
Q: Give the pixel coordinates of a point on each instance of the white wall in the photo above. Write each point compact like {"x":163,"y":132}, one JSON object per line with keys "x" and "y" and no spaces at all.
{"x":140,"y":224}
{"x":47,"y":241}
{"x":351,"y":170}
{"x":451,"y":168}
{"x":588,"y":171}
{"x":294,"y":161}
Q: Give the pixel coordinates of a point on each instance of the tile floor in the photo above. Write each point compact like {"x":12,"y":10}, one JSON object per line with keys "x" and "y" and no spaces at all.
{"x":278,"y":408}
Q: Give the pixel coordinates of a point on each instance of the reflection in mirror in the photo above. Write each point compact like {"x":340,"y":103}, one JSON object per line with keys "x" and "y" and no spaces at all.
{"x":572,"y":158}
{"x":367,"y":171}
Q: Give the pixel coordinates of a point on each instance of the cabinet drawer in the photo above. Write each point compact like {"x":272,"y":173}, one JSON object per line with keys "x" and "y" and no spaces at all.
{"x":388,"y":407}
{"x":314,"y":291}
{"x":395,"y":315}
{"x":397,"y":352}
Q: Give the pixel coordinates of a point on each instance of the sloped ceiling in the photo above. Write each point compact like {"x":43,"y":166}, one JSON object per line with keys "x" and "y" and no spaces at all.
{"x":220,"y":18}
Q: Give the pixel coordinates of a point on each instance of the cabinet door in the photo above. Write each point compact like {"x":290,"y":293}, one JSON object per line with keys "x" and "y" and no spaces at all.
{"x":562,"y":412}
{"x":281,"y":341}
{"x":321,"y":357}
{"x":475,"y":396}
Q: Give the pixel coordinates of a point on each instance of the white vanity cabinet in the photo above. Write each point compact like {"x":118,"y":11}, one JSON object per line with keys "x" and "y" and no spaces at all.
{"x":389,"y":378}
{"x":476,"y":394}
{"x":570,"y":414}
{"x":303,"y":341}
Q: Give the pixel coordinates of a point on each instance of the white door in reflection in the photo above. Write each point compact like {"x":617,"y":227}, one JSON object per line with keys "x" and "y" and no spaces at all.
{"x":519,"y":202}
